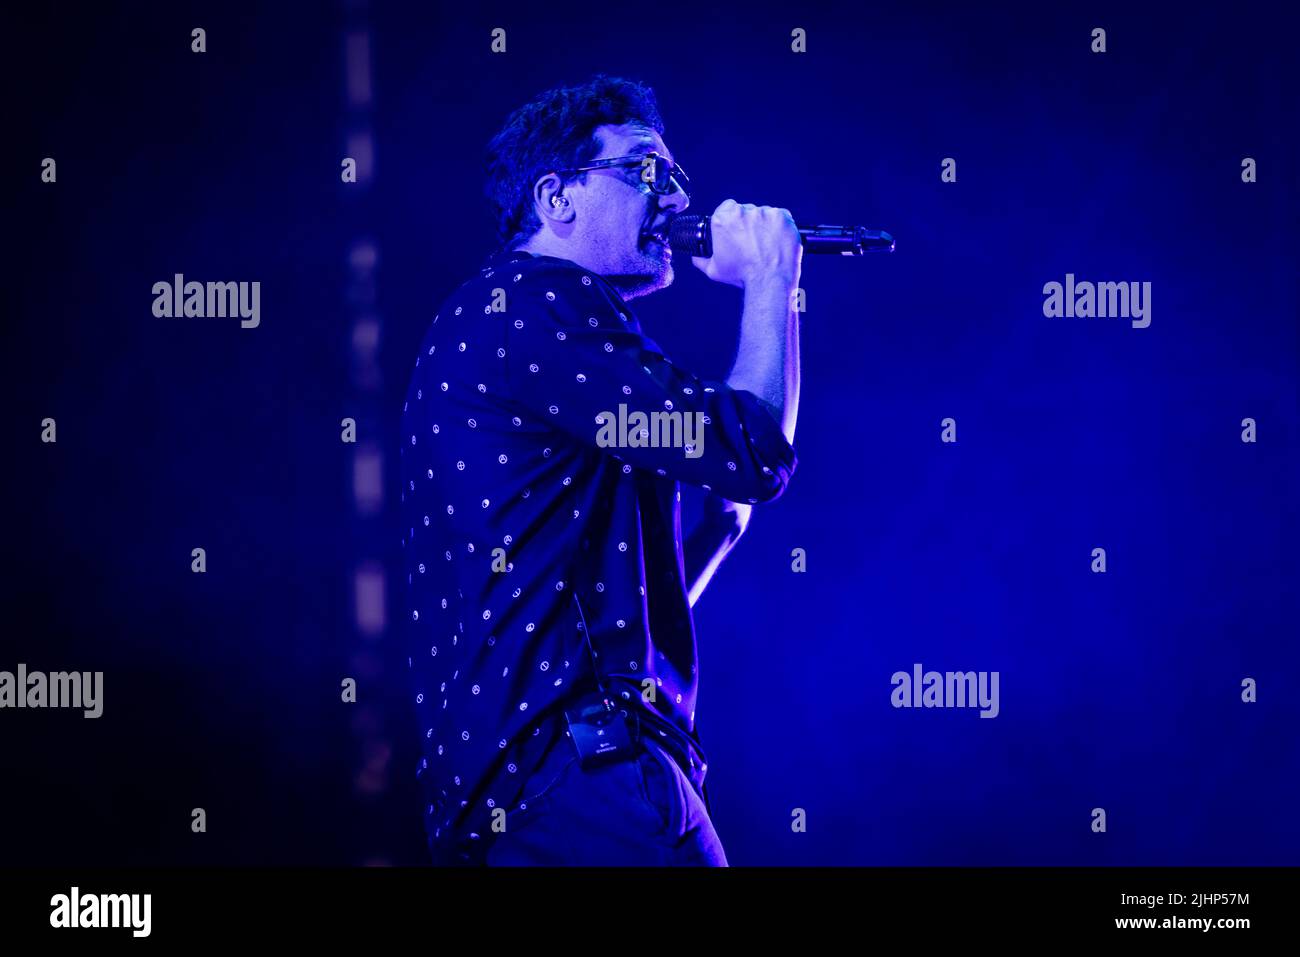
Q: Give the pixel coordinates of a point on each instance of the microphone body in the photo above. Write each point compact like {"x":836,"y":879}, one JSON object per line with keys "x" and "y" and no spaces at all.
{"x":692,"y":234}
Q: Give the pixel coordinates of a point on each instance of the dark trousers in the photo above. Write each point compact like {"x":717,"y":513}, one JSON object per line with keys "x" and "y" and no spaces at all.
{"x":638,"y":812}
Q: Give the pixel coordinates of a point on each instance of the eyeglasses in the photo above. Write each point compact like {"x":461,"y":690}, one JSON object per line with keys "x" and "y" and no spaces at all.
{"x":657,"y":172}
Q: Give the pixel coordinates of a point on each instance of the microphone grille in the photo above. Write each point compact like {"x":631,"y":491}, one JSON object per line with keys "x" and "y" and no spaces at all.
{"x":691,"y":234}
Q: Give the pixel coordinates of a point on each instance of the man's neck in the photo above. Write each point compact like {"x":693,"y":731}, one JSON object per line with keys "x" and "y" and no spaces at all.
{"x":542,"y":245}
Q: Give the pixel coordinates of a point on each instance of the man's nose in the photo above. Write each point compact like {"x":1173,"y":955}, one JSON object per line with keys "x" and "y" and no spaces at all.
{"x":676,"y":201}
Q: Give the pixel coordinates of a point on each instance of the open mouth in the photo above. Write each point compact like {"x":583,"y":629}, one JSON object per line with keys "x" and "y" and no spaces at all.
{"x":657,"y":239}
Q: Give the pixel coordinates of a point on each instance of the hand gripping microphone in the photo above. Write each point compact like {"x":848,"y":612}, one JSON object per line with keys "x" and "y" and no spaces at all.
{"x":693,"y":235}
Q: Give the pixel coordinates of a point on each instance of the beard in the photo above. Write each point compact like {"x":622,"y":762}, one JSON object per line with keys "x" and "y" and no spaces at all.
{"x":647,"y":270}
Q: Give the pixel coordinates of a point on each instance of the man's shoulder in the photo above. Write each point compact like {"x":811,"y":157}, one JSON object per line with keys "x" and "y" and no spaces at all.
{"x":517,"y":266}
{"x":546,"y":279}
{"x":507,"y":270}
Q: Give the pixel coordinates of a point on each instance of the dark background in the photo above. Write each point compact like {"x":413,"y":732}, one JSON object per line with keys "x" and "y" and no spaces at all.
{"x":1119,"y":691}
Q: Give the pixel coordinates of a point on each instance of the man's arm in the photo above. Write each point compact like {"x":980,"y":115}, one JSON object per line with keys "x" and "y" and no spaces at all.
{"x":767,"y":362}
{"x":758,"y":249}
{"x":576,"y":361}
{"x":720,"y":527}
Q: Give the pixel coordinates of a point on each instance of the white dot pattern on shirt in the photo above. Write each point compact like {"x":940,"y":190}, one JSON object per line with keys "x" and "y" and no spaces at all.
{"x":525,"y":360}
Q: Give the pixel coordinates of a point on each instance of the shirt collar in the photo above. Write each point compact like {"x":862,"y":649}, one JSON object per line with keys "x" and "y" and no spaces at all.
{"x":503,"y":256}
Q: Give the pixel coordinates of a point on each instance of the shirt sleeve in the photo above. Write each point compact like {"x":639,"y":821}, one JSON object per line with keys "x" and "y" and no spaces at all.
{"x":576,"y":359}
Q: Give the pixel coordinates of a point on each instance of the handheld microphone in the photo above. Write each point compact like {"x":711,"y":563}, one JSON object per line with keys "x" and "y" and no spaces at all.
{"x":693,"y":235}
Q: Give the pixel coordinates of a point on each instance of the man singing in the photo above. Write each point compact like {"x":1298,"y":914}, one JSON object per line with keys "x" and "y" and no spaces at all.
{"x":551,"y":639}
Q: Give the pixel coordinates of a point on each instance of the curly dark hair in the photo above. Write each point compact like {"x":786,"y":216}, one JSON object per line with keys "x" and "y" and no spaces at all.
{"x":556,"y":130}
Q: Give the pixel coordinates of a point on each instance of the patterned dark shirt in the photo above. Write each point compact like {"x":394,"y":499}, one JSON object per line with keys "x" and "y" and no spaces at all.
{"x":539,"y":558}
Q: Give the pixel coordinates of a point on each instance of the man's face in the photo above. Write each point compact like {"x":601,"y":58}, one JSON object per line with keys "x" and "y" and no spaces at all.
{"x":617,"y":212}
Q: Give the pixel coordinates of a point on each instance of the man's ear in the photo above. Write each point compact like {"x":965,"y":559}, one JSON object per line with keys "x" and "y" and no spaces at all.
{"x":551,"y":202}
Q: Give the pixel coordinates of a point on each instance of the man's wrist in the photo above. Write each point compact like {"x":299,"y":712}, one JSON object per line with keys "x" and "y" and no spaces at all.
{"x":771,"y":284}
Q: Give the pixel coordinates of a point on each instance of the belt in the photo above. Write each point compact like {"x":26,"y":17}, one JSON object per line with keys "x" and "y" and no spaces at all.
{"x":685,"y":751}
